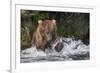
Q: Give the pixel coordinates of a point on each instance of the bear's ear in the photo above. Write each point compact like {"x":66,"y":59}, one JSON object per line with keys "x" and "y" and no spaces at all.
{"x":54,"y":21}
{"x":39,"y":21}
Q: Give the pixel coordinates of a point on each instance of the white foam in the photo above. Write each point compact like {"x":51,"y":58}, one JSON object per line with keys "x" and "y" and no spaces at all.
{"x":32,"y":52}
{"x":71,"y":47}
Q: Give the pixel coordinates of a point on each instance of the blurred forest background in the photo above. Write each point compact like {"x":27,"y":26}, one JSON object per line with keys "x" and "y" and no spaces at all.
{"x":70,"y":24}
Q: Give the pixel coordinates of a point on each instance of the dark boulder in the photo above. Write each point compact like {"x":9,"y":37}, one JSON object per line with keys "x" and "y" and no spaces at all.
{"x":59,"y":47}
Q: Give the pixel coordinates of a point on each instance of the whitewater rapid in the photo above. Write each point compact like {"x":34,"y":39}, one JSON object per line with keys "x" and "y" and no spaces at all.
{"x":72,"y":50}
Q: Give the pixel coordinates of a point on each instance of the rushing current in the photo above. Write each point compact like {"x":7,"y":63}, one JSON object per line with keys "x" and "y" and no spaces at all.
{"x":71,"y":50}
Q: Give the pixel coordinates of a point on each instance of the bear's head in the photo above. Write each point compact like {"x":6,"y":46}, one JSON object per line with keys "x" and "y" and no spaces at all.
{"x":47,"y":29}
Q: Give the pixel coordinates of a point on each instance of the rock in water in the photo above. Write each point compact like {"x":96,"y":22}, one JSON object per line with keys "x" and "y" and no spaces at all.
{"x":59,"y":47}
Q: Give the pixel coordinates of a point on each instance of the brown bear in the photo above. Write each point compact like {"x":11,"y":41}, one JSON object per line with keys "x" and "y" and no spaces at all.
{"x":45,"y":33}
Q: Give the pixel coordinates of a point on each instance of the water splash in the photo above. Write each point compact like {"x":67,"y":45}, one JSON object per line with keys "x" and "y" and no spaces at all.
{"x":72,"y":50}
